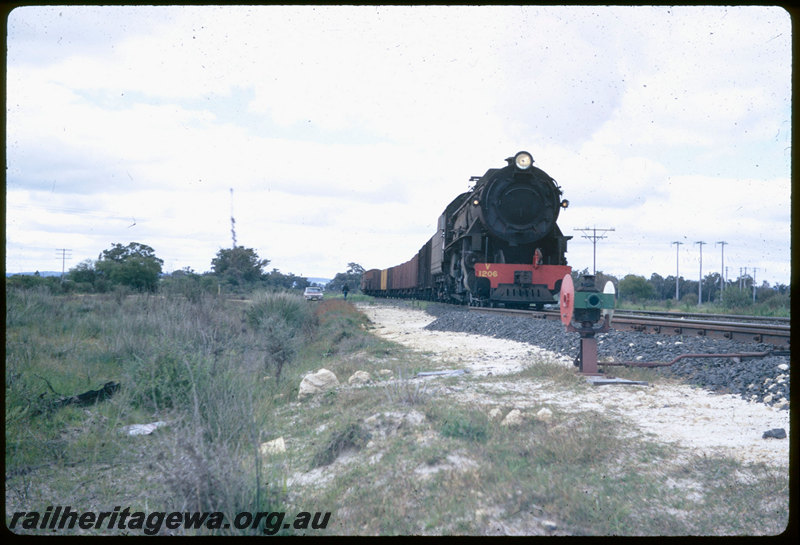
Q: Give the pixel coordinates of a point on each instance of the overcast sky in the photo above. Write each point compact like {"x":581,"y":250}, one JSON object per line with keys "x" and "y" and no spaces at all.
{"x":345,"y":131}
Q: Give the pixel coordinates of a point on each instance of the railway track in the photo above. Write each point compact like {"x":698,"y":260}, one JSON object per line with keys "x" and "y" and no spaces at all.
{"x":705,"y":316}
{"x":719,"y":327}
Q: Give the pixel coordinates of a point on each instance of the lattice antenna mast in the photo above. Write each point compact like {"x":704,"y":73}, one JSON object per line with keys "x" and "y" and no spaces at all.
{"x":233,"y":222}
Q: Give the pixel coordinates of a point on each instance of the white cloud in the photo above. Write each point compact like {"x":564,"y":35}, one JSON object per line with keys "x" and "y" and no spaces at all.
{"x":356,"y":126}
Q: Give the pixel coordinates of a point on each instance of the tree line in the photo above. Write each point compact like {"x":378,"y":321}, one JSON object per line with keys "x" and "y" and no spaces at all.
{"x":136,"y":267}
{"x":238,"y":270}
{"x":734,"y":293}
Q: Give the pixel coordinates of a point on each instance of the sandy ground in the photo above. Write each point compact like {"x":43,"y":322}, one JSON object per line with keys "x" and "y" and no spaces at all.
{"x":694,"y":418}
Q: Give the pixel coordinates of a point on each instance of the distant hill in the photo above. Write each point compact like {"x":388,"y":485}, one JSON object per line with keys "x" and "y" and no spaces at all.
{"x":320,"y":281}
{"x":41,"y":273}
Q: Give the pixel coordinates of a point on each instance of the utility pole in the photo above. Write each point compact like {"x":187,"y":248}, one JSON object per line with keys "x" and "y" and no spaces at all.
{"x":677,"y":270}
{"x":754,"y":284}
{"x":64,"y":257}
{"x":700,"y":285}
{"x":721,"y":269}
{"x":594,"y":237}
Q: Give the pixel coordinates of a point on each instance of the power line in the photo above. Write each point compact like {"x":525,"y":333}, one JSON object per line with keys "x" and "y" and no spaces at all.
{"x":70,"y":211}
{"x":594,"y":237}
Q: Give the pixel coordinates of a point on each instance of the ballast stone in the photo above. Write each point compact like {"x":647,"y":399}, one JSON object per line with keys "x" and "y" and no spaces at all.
{"x":316,"y":383}
{"x":775,"y":433}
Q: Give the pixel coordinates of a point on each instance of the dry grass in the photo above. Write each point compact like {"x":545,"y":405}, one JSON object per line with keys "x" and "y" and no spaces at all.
{"x":398,"y":456}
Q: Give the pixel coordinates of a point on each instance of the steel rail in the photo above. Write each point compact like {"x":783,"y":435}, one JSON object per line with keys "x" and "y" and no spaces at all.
{"x":705,"y":316}
{"x":735,"y":357}
{"x":770,"y":334}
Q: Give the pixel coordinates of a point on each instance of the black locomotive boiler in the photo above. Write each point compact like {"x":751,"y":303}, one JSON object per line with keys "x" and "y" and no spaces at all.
{"x":496,"y":244}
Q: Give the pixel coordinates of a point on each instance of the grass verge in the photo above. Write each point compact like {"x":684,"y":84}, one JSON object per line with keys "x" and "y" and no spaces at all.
{"x":391,"y":456}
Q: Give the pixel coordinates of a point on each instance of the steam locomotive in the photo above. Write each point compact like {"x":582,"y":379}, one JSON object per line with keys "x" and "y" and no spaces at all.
{"x":496,"y":245}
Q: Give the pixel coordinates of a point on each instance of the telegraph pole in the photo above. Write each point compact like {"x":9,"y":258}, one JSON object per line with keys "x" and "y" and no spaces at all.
{"x":677,"y":270}
{"x":700,"y":285}
{"x":721,"y":269}
{"x":594,"y":237}
{"x":64,"y":257}
{"x":754,"y":284}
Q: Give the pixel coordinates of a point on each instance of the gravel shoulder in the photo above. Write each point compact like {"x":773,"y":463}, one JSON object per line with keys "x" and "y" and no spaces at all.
{"x":706,"y":422}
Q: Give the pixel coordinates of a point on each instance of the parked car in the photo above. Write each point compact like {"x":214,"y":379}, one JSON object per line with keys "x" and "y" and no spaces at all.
{"x":313,"y":294}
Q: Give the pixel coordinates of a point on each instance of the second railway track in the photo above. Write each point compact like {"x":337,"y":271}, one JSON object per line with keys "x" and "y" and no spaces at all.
{"x":767,"y":333}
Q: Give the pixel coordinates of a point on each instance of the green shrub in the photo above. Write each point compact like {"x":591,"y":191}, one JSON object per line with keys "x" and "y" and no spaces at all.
{"x":160,"y":383}
{"x":461,"y":423}
{"x":267,"y":307}
{"x":353,"y":436}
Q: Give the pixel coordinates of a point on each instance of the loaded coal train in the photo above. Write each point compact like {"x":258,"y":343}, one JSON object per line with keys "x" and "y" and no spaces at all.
{"x":497,"y":244}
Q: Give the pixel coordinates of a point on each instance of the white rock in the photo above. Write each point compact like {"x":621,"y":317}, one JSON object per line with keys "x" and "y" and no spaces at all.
{"x":495,"y":414}
{"x":513,"y":418}
{"x":317,"y":382}
{"x":549,"y":525}
{"x":767,"y":398}
{"x":784,"y":367}
{"x":359,"y":377}
{"x":276,"y":446}
{"x":544,"y":414}
{"x":143,"y":429}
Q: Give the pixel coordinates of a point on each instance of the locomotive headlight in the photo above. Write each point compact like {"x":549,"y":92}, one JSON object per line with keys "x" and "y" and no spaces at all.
{"x":523,"y":160}
{"x":475,"y":202}
{"x":564,"y":203}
